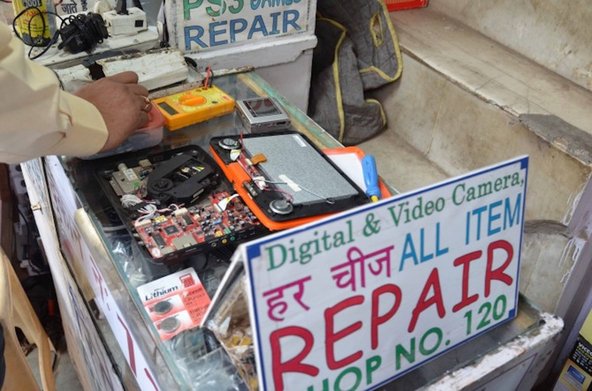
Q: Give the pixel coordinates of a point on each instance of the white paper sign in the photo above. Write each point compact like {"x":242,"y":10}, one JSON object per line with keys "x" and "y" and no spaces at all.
{"x":67,"y":7}
{"x":357,"y":300}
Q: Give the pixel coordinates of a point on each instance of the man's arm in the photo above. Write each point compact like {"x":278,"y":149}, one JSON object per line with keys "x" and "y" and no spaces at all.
{"x":37,"y":118}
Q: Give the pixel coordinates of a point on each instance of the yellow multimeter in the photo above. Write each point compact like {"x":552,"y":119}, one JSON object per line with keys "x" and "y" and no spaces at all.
{"x":194,"y":106}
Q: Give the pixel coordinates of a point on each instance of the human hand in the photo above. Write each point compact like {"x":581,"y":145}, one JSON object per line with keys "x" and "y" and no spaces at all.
{"x":122,"y":102}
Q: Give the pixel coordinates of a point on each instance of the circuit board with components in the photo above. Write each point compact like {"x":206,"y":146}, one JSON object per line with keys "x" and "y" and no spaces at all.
{"x":177,"y":203}
{"x":203,"y":223}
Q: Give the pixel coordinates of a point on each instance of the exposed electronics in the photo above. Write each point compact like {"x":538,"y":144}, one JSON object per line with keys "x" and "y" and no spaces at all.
{"x":131,"y":22}
{"x":82,"y":32}
{"x":176,"y":202}
{"x":284,"y":178}
{"x":194,"y":106}
{"x":262,"y":114}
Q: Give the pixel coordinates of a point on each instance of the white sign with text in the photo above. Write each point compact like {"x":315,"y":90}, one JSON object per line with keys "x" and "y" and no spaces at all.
{"x":201,"y":25}
{"x":356,"y":300}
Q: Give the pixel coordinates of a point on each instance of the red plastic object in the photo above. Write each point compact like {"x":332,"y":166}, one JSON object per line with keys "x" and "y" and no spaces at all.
{"x":155,"y":120}
{"x":398,"y":5}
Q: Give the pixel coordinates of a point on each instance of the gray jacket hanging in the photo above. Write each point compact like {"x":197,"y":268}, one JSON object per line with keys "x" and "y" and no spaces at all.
{"x":357,"y":51}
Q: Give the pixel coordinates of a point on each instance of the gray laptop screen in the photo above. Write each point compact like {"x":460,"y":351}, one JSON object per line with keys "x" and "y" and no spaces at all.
{"x":292,"y":160}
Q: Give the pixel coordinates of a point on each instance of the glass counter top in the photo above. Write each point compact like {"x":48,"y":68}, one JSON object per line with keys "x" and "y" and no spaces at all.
{"x":194,"y":358}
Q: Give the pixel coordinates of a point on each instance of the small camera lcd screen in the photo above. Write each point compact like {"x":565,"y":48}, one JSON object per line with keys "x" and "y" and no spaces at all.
{"x":262,"y":107}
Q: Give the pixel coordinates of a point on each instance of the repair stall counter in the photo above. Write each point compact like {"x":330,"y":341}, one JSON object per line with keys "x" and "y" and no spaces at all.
{"x":114,"y":343}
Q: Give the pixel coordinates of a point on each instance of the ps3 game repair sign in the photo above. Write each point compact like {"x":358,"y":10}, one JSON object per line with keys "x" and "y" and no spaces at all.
{"x":354,"y":301}
{"x":210,"y":24}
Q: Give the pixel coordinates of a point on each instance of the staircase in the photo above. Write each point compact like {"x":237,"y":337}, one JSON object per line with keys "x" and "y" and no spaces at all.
{"x":485,"y":81}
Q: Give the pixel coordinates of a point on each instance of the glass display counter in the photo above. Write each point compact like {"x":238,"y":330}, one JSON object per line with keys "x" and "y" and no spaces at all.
{"x":109,"y":273}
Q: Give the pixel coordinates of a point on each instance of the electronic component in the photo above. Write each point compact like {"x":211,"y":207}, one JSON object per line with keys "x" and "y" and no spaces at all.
{"x":123,"y":20}
{"x":205,"y":223}
{"x":170,"y":325}
{"x":176,"y":202}
{"x":131,"y":22}
{"x":229,"y":143}
{"x":79,"y":32}
{"x":159,"y":241}
{"x":262,"y":114}
{"x":281,"y":207}
{"x":194,"y":106}
{"x":162,"y":307}
{"x":82,"y":32}
{"x":259,"y":158}
{"x":125,"y":180}
{"x":180,"y":179}
{"x":284,"y":179}
{"x":171,"y":230}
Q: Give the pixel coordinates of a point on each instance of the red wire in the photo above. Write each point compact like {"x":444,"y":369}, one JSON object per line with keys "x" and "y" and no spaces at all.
{"x":207,"y":80}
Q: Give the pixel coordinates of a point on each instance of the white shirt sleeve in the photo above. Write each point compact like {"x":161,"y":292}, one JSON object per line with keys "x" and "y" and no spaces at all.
{"x":37,"y":118}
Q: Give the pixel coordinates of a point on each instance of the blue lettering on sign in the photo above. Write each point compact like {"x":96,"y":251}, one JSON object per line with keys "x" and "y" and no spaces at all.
{"x":194,"y":34}
{"x":214,"y":33}
{"x":237,"y":26}
{"x":274,"y":23}
{"x":257,"y":27}
{"x":224,"y":32}
{"x":291,"y":19}
{"x":255,"y":4}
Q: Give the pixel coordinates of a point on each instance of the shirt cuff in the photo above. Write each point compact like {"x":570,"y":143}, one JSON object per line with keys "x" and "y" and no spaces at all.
{"x":87,"y":133}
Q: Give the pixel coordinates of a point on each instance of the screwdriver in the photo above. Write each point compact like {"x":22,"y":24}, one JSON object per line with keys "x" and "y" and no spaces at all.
{"x":371,"y":177}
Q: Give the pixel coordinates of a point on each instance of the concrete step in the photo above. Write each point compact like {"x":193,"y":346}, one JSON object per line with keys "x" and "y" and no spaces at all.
{"x":465,"y":101}
{"x":554,"y":33}
{"x":459,"y":121}
{"x":489,"y":69}
{"x":458,"y":131}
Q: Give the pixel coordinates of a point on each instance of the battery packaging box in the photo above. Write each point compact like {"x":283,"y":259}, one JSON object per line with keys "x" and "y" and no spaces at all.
{"x":576,"y":374}
{"x":175,"y":303}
